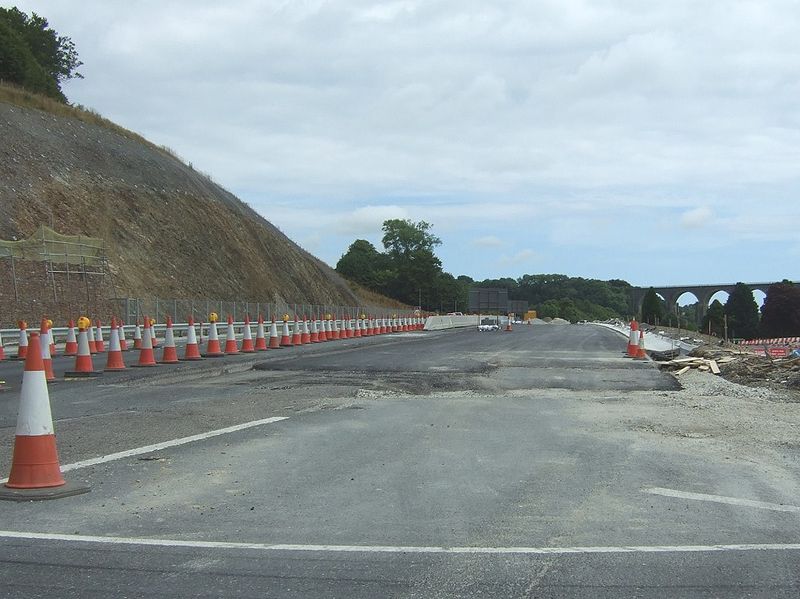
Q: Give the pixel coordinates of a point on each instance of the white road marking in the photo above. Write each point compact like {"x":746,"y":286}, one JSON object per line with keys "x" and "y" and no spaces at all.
{"x":10,"y":534}
{"x":762,"y":505}
{"x":165,"y":444}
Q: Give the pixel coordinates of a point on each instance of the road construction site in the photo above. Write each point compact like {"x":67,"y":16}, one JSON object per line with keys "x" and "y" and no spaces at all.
{"x":534,"y":462}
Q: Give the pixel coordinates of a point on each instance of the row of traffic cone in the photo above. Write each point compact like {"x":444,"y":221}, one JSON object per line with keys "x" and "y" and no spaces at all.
{"x":635,"y":348}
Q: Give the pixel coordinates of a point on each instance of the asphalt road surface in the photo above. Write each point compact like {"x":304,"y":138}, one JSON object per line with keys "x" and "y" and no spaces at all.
{"x":446,"y":464}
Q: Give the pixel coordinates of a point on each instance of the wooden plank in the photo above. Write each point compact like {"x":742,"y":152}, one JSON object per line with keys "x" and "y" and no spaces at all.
{"x":703,"y":368}
{"x":682,"y":370}
{"x":713,"y":365}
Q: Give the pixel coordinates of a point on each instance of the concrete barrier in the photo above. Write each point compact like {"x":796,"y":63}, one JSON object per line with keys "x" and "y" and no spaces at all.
{"x":437,"y":323}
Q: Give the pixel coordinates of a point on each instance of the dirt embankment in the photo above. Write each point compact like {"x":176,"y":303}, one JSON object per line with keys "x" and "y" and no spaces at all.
{"x":170,"y":231}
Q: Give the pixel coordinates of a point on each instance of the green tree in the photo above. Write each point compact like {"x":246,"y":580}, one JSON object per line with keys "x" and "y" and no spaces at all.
{"x":549,"y":309}
{"x":33,"y":55}
{"x":780,"y":314}
{"x":742,"y":312}
{"x":714,"y":320}
{"x":416,"y":269}
{"x":363,"y":264}
{"x":652,"y":307}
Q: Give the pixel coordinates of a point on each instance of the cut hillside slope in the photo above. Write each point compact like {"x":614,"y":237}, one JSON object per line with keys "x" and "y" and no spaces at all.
{"x":170,"y":231}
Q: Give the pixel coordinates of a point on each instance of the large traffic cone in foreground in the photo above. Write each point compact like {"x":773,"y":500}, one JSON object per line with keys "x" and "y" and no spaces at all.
{"x":147,"y":357}
{"x":170,"y":355}
{"x":22,"y":347}
{"x":83,"y":359}
{"x":192,"y":350}
{"x":641,"y":354}
{"x":261,"y":339}
{"x":35,"y":470}
{"x":44,"y":344}
{"x":99,"y":343}
{"x":213,"y":348}
{"x":71,"y":348}
{"x":114,"y":360}
{"x":633,"y":339}
{"x":274,"y":340}
{"x":247,"y":337}
{"x":230,"y":338}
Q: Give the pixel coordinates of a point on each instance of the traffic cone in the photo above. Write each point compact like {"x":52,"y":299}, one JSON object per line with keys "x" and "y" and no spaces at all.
{"x":51,"y":338}
{"x":99,"y":343}
{"x":329,"y":329}
{"x":314,"y":331}
{"x":297,"y":336}
{"x":44,"y":345}
{"x":508,"y":323}
{"x":247,"y":337}
{"x":323,"y":334}
{"x":347,"y":332}
{"x":71,"y":347}
{"x":137,"y":336}
{"x":170,"y":355}
{"x":35,"y":469}
{"x":123,"y":343}
{"x":230,"y":338}
{"x":90,"y":337}
{"x":83,"y":359}
{"x":153,"y":338}
{"x":357,"y":327}
{"x":147,"y":357}
{"x":274,"y":341}
{"x":306,"y":336}
{"x":22,"y":347}
{"x":213,"y":348}
{"x":335,"y":328}
{"x":114,"y":360}
{"x":192,"y":350}
{"x":633,"y":339}
{"x":641,"y":354}
{"x":286,"y":337}
{"x":261,"y":340}
{"x":383,"y":330}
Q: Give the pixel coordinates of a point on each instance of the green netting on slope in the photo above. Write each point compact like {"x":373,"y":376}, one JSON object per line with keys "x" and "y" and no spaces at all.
{"x":47,"y":245}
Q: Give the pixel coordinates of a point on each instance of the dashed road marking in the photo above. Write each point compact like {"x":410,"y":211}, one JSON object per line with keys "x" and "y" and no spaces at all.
{"x":762,"y":505}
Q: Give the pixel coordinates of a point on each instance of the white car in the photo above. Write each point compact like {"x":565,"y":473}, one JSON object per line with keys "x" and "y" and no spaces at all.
{"x":488,"y":327}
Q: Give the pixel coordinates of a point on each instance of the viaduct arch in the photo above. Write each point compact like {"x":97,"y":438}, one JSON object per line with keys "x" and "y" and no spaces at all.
{"x":703,"y":294}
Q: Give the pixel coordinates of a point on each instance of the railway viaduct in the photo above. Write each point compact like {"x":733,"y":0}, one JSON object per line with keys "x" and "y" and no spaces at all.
{"x":703,"y":294}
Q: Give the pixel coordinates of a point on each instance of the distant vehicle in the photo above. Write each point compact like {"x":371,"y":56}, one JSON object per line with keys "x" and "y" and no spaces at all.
{"x":488,"y":327}
{"x":455,"y":314}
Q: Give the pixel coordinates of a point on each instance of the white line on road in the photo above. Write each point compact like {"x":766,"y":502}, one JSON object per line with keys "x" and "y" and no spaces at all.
{"x":762,"y":505}
{"x":10,"y":534}
{"x":165,"y":444}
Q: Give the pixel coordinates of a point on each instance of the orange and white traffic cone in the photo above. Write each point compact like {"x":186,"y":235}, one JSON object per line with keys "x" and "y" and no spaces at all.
{"x":306,"y":336}
{"x":192,"y":350}
{"x":137,"y":336}
{"x":357,"y":327}
{"x":641,"y":354}
{"x":147,"y":357}
{"x":335,"y":329}
{"x":297,"y":336}
{"x":508,"y":324}
{"x":35,"y":469}
{"x":71,"y":348}
{"x":22,"y":347}
{"x":123,"y":343}
{"x":230,"y":338}
{"x":383,"y":326}
{"x":261,"y":340}
{"x":633,"y":339}
{"x":213,"y":348}
{"x":114,"y":360}
{"x":51,"y":338}
{"x":274,"y":340}
{"x":153,"y":337}
{"x":90,"y":337}
{"x":99,"y":343}
{"x":347,"y":332}
{"x":248,"y":347}
{"x":323,"y":333}
{"x":286,"y":337}
{"x":83,"y":359}
{"x":170,"y":355}
{"x":44,"y":344}
{"x":314,"y":331}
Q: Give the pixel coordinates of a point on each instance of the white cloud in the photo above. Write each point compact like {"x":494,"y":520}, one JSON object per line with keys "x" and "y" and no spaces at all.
{"x":488,"y":241}
{"x":697,"y":217}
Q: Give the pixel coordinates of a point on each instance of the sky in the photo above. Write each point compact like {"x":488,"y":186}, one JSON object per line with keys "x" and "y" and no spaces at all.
{"x":655,"y":142}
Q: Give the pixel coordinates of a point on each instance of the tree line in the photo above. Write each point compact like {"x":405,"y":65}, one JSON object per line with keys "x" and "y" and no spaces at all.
{"x":34,"y":56}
